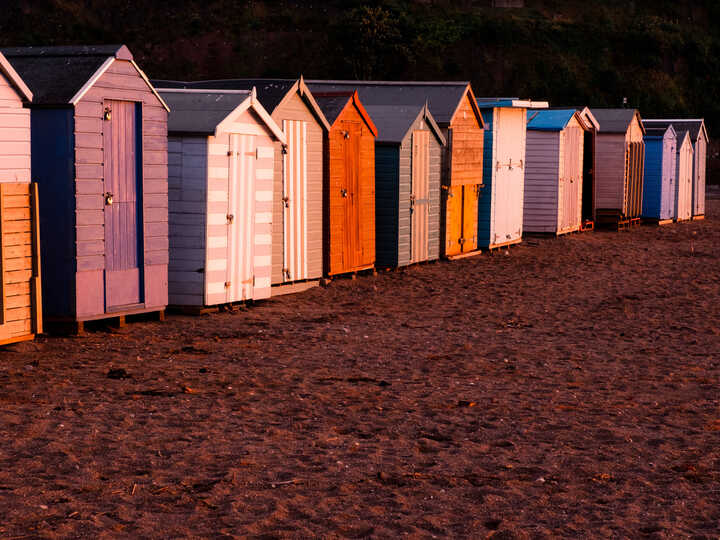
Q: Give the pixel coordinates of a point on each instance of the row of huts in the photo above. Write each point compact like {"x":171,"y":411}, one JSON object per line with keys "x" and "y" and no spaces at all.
{"x":148,"y":193}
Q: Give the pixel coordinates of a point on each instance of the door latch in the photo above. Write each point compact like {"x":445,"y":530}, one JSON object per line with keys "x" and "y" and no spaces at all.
{"x":286,"y":202}
{"x":230,"y":218}
{"x":108,"y":198}
{"x":344,"y":192}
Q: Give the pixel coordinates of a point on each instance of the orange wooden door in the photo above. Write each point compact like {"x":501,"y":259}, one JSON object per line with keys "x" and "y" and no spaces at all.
{"x":419,"y":196}
{"x":453,"y":220}
{"x":469,"y":217}
{"x":352,"y":253}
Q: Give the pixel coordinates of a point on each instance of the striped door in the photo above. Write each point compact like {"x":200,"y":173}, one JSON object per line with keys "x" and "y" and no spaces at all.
{"x":122,"y":205}
{"x":241,"y":218}
{"x":295,"y":264}
{"x":419,"y":196}
{"x":571,"y":179}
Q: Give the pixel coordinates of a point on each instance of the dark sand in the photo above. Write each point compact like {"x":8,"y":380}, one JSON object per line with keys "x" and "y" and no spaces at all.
{"x":567,"y":388}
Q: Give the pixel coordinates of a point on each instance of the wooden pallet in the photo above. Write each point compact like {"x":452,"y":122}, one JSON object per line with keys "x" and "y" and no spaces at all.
{"x":365,"y":271}
{"x":655,"y":221}
{"x":496,"y":247}
{"x":698,"y":217}
{"x":463,"y":255}
{"x":295,"y":287}
{"x":114,"y":320}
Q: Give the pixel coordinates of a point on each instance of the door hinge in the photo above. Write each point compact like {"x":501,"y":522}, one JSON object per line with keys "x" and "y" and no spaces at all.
{"x":461,"y":241}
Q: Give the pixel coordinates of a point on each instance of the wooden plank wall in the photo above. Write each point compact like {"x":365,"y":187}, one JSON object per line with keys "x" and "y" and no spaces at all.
{"x":14,"y":136}
{"x":187,"y":193}
{"x":542,"y":175}
{"x":404,"y":255}
{"x":609,"y":171}
{"x":699,"y":173}
{"x":216,"y":266}
{"x":294,"y":108}
{"x":466,"y":161}
{"x":122,"y":82}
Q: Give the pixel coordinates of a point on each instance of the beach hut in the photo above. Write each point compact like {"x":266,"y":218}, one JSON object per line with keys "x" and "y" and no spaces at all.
{"x":349,"y":241}
{"x":658,"y":199}
{"x":453,"y":107}
{"x":684,"y":171}
{"x":407,"y":185}
{"x":699,"y":139}
{"x":297,"y":237}
{"x":500,"y":206}
{"x":20,"y":290}
{"x":221,"y":151}
{"x":620,"y":156}
{"x":99,"y":155}
{"x":553,"y":171}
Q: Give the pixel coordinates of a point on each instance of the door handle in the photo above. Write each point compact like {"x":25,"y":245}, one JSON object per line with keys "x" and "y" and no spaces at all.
{"x":344,"y":192}
{"x":230,"y":218}
{"x":108,"y":198}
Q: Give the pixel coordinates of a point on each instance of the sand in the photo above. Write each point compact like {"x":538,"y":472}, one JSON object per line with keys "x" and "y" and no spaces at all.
{"x":567,"y":387}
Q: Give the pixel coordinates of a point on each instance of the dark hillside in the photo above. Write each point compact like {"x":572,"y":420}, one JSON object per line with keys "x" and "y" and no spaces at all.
{"x":663,"y":56}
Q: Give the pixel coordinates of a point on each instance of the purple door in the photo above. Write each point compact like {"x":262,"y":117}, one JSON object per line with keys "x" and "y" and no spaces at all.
{"x":122,"y":269}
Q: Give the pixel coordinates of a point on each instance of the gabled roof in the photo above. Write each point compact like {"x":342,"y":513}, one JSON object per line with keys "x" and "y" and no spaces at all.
{"x":693,"y":125}
{"x":443,"y":98}
{"x":205,"y":111}
{"x":551,"y":119}
{"x":616,"y":120}
{"x":394,"y":122}
{"x":497,"y":102}
{"x":585,"y":115}
{"x":659,"y":132}
{"x":270,"y":92}
{"x":334,"y":103}
{"x":62,"y":75}
{"x":14,"y":79}
{"x":681,"y":137}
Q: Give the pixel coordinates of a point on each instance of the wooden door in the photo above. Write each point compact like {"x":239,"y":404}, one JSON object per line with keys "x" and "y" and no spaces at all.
{"x":470,"y":217}
{"x":509,"y":176}
{"x":123,"y":193}
{"x":419,"y":196}
{"x":588,"y":188}
{"x":570,"y":180}
{"x":295,"y":248}
{"x":453,"y":220}
{"x":239,"y":281}
{"x":350,"y":194}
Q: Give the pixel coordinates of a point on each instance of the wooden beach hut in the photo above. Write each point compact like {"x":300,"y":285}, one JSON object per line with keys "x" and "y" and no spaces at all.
{"x":658,"y":200}
{"x":407,"y":185}
{"x":349,"y":240}
{"x":453,"y":107}
{"x":20,"y":290}
{"x":99,"y":155}
{"x":221,"y":151}
{"x":297,"y":237}
{"x":699,"y":139}
{"x":553,"y":171}
{"x":684,"y":171}
{"x":500,"y":207}
{"x":620,"y":157}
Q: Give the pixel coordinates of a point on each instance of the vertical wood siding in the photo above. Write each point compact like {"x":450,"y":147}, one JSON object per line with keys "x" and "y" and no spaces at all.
{"x":120,"y":82}
{"x":669,"y":159}
{"x":609,"y":171}
{"x":419,"y":196}
{"x":658,"y":200}
{"x":571,"y":170}
{"x":683,"y":205}
{"x":699,"y":172}
{"x":187,"y":192}
{"x":387,"y":205}
{"x":295,"y":109}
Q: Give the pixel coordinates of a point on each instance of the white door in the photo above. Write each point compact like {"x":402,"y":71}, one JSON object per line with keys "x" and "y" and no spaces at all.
{"x":510,"y":175}
{"x":241,"y":218}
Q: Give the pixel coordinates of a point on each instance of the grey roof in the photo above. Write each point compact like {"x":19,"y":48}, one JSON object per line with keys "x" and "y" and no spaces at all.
{"x":655,"y":131}
{"x":332,"y":105}
{"x":270,"y":92}
{"x":442,"y":98}
{"x":394,"y":121}
{"x":56,"y":74}
{"x":200,"y":112}
{"x":614,"y":120}
{"x":691,"y":125}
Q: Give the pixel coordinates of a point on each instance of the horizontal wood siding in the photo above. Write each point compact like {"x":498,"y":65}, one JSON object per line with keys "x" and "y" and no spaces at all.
{"x":122,"y":82}
{"x":294,"y":108}
{"x":19,"y":262}
{"x":387,"y":205}
{"x":609,"y":171}
{"x":15,"y":142}
{"x":187,"y":193}
{"x":542,"y":176}
{"x":466,"y":146}
{"x":246,"y":123}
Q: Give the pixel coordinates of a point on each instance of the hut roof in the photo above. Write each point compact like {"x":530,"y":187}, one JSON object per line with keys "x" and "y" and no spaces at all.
{"x":204,"y":111}
{"x":61,"y":75}
{"x":334,"y":103}
{"x":694,"y":126}
{"x":270,"y":92}
{"x":615,"y":120}
{"x":394,"y":122}
{"x":549,"y":119}
{"x":14,"y":79}
{"x":495,"y":102}
{"x":443,"y":98}
{"x":659,"y":132}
